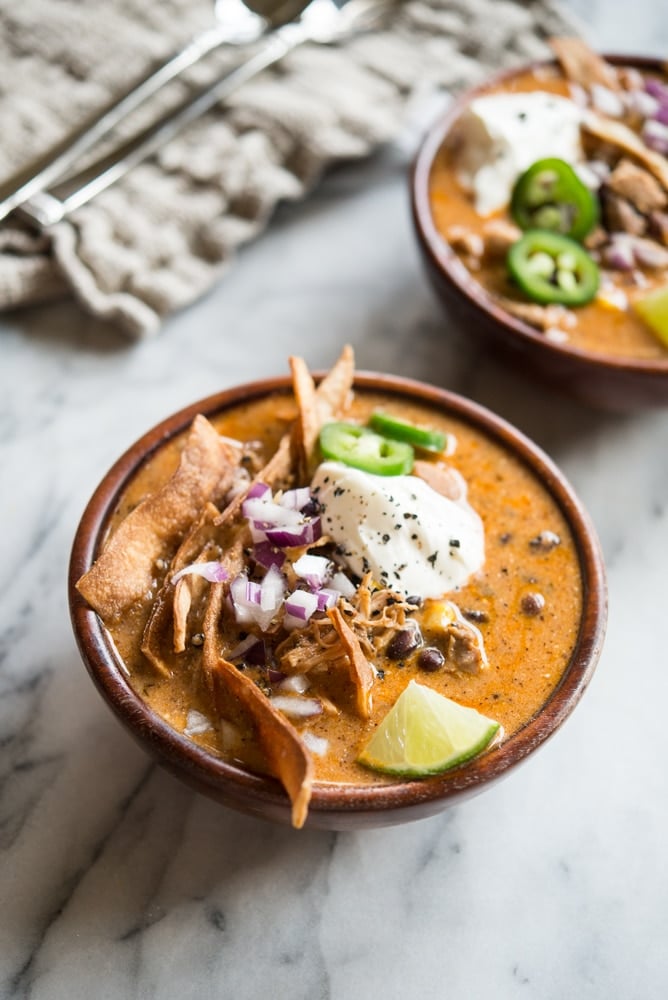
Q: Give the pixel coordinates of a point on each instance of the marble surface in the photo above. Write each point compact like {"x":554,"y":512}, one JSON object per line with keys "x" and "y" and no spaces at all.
{"x":118,"y":882}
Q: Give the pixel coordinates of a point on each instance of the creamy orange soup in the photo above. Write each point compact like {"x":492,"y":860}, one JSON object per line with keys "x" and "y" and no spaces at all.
{"x":526,"y":601}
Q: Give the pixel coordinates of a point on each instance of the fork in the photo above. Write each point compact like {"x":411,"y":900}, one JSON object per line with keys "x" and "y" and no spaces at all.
{"x":322,"y":22}
{"x":236,"y":25}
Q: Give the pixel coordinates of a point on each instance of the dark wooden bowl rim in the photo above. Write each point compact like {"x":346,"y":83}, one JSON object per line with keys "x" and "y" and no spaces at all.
{"x":258,"y":794}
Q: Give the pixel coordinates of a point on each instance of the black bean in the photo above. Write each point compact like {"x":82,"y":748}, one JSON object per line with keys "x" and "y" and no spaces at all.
{"x":545,"y":542}
{"x":475,"y":615}
{"x":532,"y":604}
{"x":430,"y":659}
{"x":403,"y":642}
{"x":415,"y":600}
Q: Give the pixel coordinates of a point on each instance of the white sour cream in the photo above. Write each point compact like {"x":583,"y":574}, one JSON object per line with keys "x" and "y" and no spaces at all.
{"x":409,"y":537}
{"x":503,"y":134}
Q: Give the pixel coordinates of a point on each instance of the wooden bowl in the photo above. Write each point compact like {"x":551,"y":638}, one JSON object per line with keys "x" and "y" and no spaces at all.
{"x":601,"y":380}
{"x":334,"y":806}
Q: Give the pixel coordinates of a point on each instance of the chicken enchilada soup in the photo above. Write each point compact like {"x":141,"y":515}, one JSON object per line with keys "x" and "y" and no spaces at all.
{"x":331,"y":586}
{"x":552,"y":189}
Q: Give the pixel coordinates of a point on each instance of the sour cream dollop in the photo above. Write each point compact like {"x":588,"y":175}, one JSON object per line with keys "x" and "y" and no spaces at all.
{"x":409,"y":537}
{"x":503,"y":134}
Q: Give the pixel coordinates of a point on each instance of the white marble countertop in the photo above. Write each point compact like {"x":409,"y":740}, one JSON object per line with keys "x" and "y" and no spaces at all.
{"x":117,"y":881}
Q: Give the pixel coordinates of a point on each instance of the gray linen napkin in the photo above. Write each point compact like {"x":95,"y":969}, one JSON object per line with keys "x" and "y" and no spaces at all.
{"x":160,"y":238}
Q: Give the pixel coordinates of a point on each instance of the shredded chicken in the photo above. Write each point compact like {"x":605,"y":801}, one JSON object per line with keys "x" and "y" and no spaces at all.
{"x":637,"y":186}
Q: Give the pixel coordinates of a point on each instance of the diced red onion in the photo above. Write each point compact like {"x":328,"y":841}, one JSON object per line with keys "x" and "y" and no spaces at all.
{"x":642,"y":103}
{"x":655,"y":135}
{"x":258,"y":491}
{"x":314,"y":569}
{"x":256,"y":603}
{"x":657,"y":89}
{"x":301,"y":604}
{"x":272,"y":590}
{"x":267,"y":514}
{"x":298,"y":708}
{"x":661,"y":114}
{"x":316,"y":744}
{"x":275,"y":676}
{"x":267,"y":555}
{"x":296,"y":499}
{"x":295,"y":684}
{"x":619,"y":253}
{"x":344,"y":586}
{"x":327,"y":598}
{"x":214,"y":572}
{"x":196,"y":723}
{"x":625,"y":252}
{"x":307,"y":533}
{"x":298,"y":609}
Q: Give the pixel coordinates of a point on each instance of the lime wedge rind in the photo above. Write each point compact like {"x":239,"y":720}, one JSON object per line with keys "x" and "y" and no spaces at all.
{"x":425,"y":734}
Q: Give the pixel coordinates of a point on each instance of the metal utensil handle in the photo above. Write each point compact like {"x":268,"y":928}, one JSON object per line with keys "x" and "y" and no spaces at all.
{"x":46,"y":210}
{"x":58,"y":167}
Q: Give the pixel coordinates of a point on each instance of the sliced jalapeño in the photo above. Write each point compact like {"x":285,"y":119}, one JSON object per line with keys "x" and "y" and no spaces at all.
{"x":550,"y":268}
{"x":550,"y":195}
{"x":403,"y":430}
{"x":363,"y":449}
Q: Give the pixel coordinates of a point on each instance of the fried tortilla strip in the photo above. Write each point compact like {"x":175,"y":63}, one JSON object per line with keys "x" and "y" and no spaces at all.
{"x":158,"y":627}
{"x":181,"y":604}
{"x":581,"y":65}
{"x":333,"y":393}
{"x":202,"y":533}
{"x":361,"y":672}
{"x":306,"y":426}
{"x":624,"y":138}
{"x":125,"y":570}
{"x":233,"y":560}
{"x":287,"y":757}
{"x":318,"y":406}
{"x":195,"y":547}
{"x":211,"y":629}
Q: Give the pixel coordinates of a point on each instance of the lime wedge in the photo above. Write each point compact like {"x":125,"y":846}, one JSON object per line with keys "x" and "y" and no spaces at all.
{"x":653,"y":309}
{"x":426,"y":733}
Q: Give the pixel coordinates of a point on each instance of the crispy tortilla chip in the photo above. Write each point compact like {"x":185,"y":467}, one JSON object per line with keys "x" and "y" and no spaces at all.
{"x":333,"y":393}
{"x":211,"y":629}
{"x":195,"y":547}
{"x":318,"y":407}
{"x":361,"y":672}
{"x":181,"y":604}
{"x":158,"y":627}
{"x":307,"y":425}
{"x":124,"y":572}
{"x":287,"y":757}
{"x":232,"y":559}
{"x":581,"y":65}
{"x":624,"y":138}
{"x":201,"y":534}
